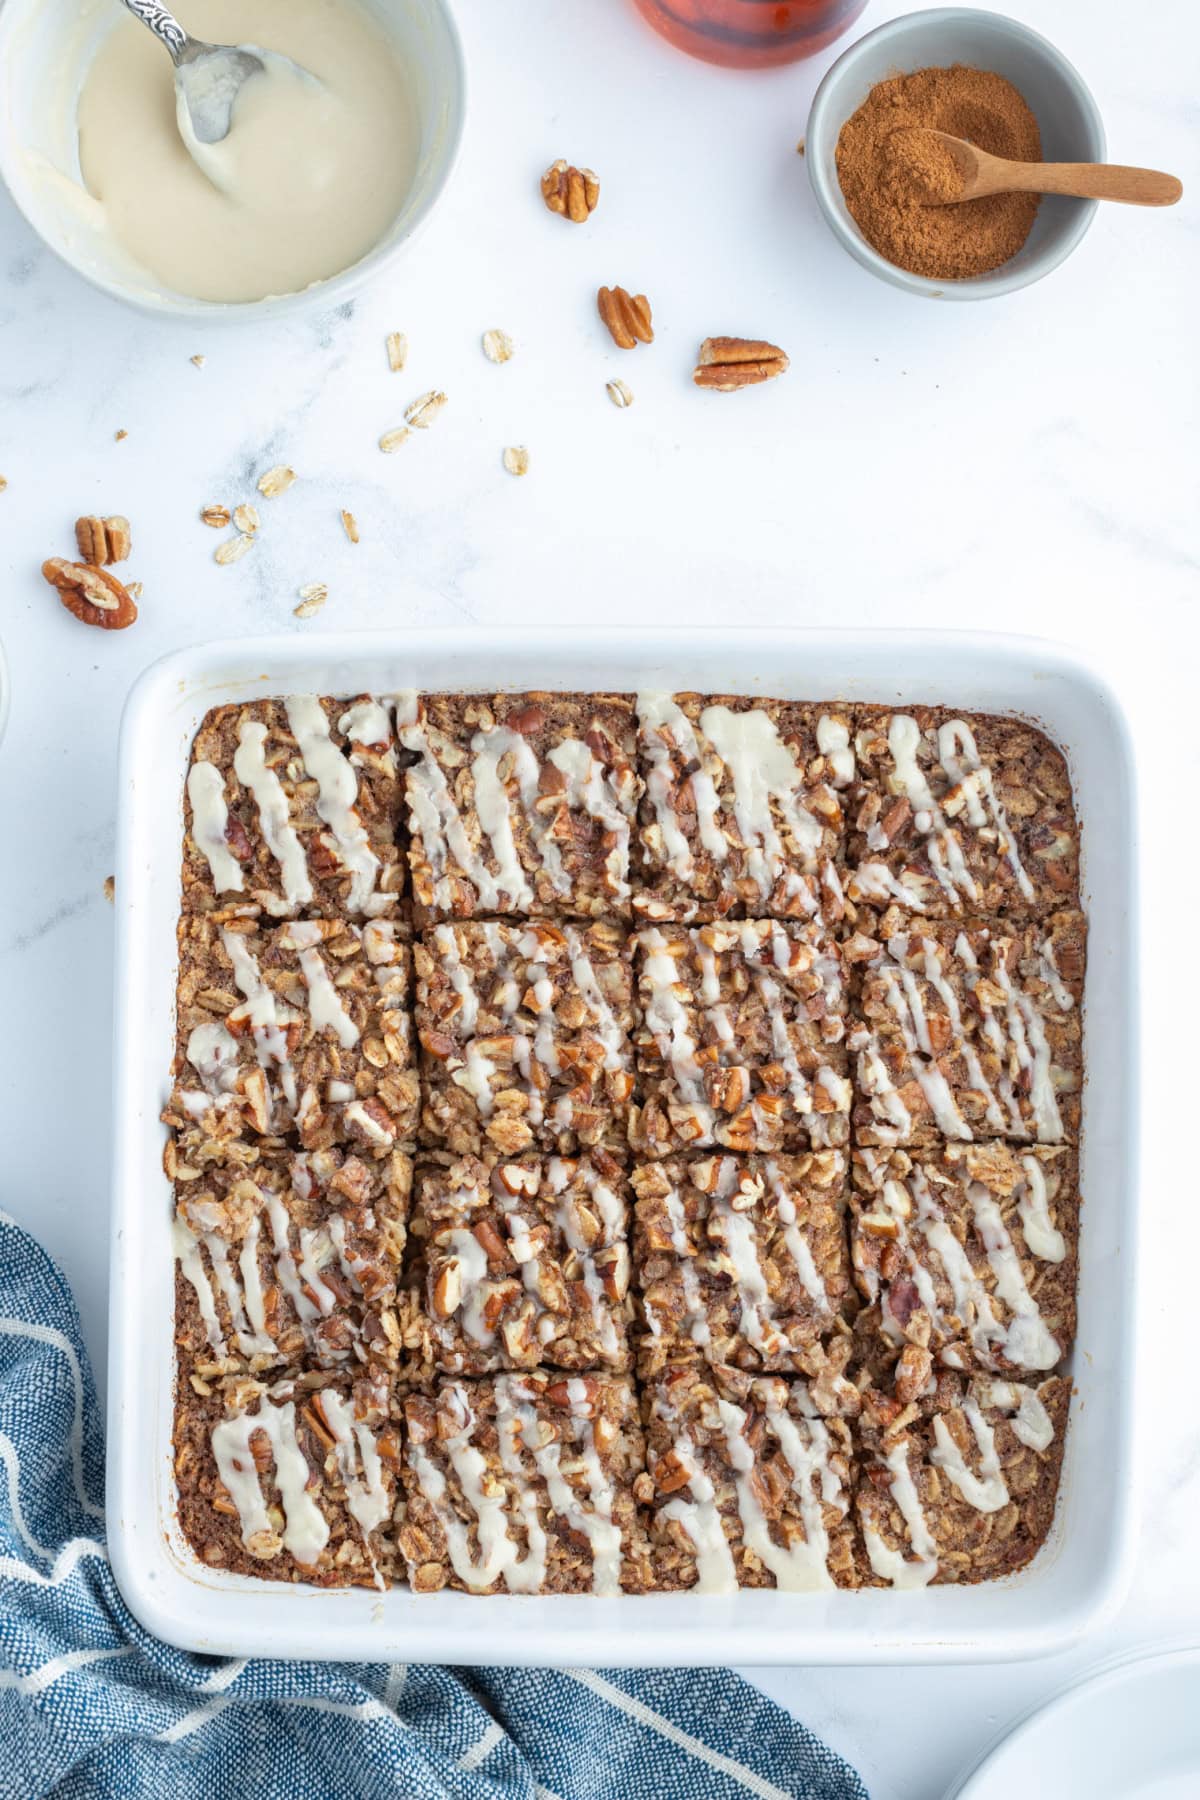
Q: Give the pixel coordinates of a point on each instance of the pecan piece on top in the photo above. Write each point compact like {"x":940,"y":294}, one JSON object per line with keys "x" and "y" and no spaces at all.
{"x":626,"y":315}
{"x":569,"y":191}
{"x":93,"y":595}
{"x":728,"y":363}
{"x":103,"y":540}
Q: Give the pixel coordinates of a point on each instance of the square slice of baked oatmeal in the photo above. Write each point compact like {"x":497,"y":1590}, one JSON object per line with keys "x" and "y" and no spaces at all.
{"x":524,"y":1484}
{"x":520,"y":803}
{"x":740,"y":1260}
{"x":294,"y":805}
{"x":520,"y":1264}
{"x":971,"y":1031}
{"x":742,"y":1040}
{"x":297,"y":1028}
{"x":960,"y":814}
{"x":751,"y":1484}
{"x":524,"y":1031}
{"x":742,"y":815}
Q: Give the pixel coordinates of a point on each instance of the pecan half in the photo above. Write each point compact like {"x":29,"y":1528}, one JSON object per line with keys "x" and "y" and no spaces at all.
{"x":727,"y":363}
{"x":103,"y":540}
{"x":93,"y":595}
{"x":569,"y":191}
{"x":626,"y":315}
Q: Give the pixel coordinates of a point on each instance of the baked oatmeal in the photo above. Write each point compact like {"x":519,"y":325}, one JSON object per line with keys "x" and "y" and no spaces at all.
{"x":296,"y":1481}
{"x":301,"y":1028}
{"x":742,"y":1039}
{"x":525,"y":1036}
{"x":520,"y":803}
{"x":524,"y":1484}
{"x":743,"y":810}
{"x":739,"y":1259}
{"x":970,"y":1031}
{"x":960,"y":814}
{"x":751,"y":1485}
{"x":293,"y":805}
{"x":292,"y":1261}
{"x":964,"y":1489}
{"x":520,"y":1264}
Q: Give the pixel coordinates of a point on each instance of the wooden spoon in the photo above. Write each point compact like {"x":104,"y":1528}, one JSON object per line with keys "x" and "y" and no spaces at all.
{"x":984,"y":174}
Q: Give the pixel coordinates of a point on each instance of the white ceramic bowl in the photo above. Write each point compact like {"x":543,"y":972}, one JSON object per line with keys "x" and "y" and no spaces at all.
{"x":45,"y":47}
{"x":1067,"y":117}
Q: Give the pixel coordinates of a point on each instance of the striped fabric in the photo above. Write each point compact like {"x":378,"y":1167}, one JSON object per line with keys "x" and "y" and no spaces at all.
{"x":92,"y":1706}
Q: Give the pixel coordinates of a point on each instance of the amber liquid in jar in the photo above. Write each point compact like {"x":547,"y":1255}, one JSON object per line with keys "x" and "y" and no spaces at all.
{"x":751,"y":34}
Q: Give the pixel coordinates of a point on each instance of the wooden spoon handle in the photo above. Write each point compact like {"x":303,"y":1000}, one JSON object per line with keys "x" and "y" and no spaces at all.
{"x":1098,"y":181}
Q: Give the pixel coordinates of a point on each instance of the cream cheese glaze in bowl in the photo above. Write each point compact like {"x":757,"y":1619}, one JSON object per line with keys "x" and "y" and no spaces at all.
{"x":52,"y":52}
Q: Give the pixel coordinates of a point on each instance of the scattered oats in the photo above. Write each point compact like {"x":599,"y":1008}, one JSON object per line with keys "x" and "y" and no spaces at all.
{"x":497,"y":346}
{"x":216,"y":516}
{"x":397,"y":350}
{"x":619,"y":392}
{"x":424,"y":411}
{"x":351,"y":525}
{"x":516,"y":459}
{"x":246,"y":518}
{"x":800,"y":148}
{"x":199,"y":361}
{"x":134,"y":589}
{"x":392,"y":440}
{"x":110,"y":888}
{"x":233,"y":548}
{"x":276,"y":481}
{"x":312,"y":599}
{"x":3,"y":483}
{"x":118,"y":435}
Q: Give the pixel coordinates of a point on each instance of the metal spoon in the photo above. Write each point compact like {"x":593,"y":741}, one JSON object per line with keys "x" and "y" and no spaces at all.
{"x":983,"y":174}
{"x":208,"y":77}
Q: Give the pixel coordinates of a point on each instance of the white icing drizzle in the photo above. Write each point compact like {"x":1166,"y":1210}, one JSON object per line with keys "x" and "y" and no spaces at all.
{"x":187,"y":1253}
{"x":1032,"y":1424}
{"x":366,"y":1494}
{"x":1048,"y":970}
{"x":367,"y":722}
{"x":961,"y":760}
{"x":892,"y":1565}
{"x":498,"y":1553}
{"x":588,"y":790}
{"x":904,"y":999}
{"x":267,"y":1020}
{"x":802,"y":1566}
{"x":250,"y":767}
{"x":613,"y":1039}
{"x":1027,"y":1342}
{"x":492,"y":804}
{"x":594,"y":1522}
{"x":337,"y":795}
{"x":987,"y":1492}
{"x":1042,"y":1239}
{"x":701,"y":1519}
{"x":472,"y":1261}
{"x":210,"y":816}
{"x":659,"y":713}
{"x":695,"y":1321}
{"x":798,"y":1246}
{"x":527,"y":1574}
{"x":668,"y":1019}
{"x":213,"y":1052}
{"x":446,"y":939}
{"x":943,"y":847}
{"x":833,"y":741}
{"x":306,"y":1532}
{"x":559,"y":1175}
{"x":764,"y":770}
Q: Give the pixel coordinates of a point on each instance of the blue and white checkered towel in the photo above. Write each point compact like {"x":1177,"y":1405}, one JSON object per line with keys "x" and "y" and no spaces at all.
{"x":91,"y":1705}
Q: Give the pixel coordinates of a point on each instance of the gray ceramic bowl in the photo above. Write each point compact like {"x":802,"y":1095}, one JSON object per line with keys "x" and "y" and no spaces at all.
{"x":1067,"y":117}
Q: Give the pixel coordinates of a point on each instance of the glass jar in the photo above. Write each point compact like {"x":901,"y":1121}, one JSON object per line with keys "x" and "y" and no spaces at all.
{"x":751,"y":34}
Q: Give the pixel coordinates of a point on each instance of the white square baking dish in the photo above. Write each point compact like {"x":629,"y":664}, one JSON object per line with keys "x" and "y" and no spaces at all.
{"x":1078,"y":1578}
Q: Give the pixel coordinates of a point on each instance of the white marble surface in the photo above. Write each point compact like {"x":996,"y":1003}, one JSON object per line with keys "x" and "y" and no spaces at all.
{"x":1027,"y":464}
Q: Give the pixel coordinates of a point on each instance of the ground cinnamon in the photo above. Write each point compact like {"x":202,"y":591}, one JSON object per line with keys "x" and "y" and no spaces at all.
{"x":892,"y":176}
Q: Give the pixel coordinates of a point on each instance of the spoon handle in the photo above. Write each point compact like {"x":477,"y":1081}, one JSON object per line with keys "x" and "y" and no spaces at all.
{"x":1092,"y":181}
{"x":163,"y":24}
